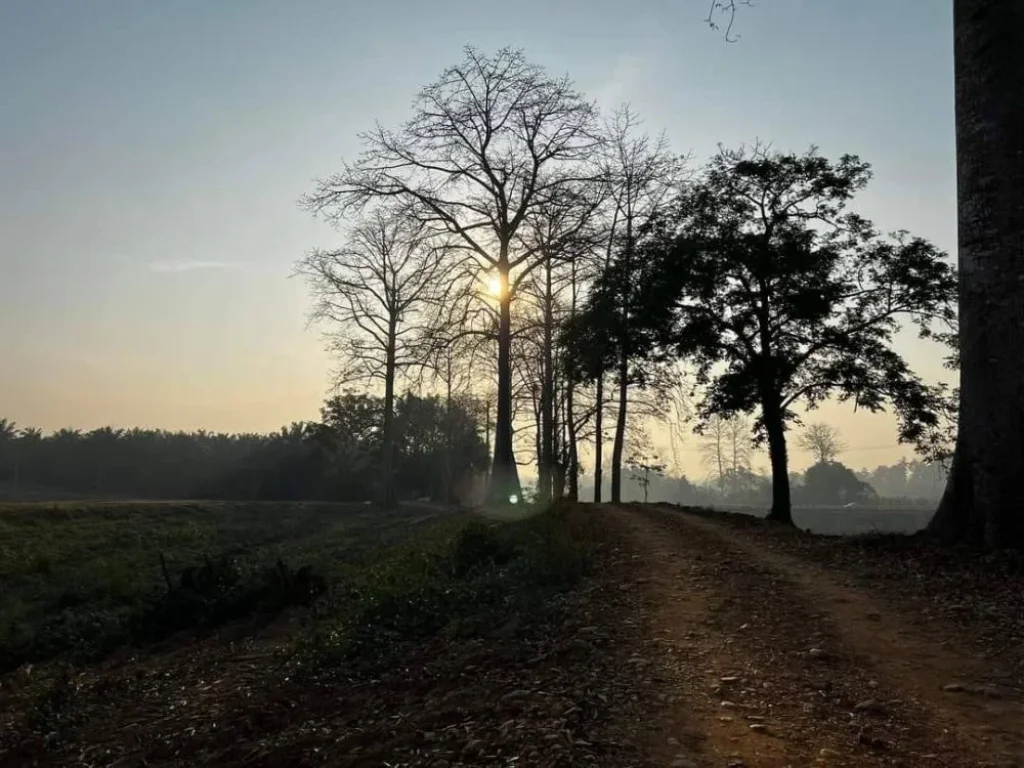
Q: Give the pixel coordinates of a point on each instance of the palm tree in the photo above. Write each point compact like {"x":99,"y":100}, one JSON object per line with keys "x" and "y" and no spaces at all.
{"x":9,"y":449}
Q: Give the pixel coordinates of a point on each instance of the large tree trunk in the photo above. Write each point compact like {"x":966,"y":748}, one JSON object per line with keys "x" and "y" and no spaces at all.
{"x":599,"y":438}
{"x":776,"y":430}
{"x":620,"y":430}
{"x":982,"y":504}
{"x":504,"y":484}
{"x":388,"y":497}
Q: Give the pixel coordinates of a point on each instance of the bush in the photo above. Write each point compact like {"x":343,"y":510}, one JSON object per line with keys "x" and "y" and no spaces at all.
{"x":476,"y":578}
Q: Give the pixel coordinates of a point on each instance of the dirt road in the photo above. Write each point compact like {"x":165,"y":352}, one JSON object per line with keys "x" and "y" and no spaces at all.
{"x":775,"y":662}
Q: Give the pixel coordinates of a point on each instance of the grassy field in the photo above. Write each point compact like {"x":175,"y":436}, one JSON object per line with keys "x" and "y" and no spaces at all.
{"x":81,"y":579}
{"x":85,"y":577}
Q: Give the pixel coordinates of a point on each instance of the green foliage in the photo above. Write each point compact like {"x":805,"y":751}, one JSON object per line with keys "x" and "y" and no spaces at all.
{"x":476,"y":577}
{"x":83,"y":579}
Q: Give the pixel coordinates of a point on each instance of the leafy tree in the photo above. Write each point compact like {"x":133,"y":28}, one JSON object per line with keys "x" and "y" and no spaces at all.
{"x":780,"y":296}
{"x":641,"y":468}
{"x":822,"y":441}
{"x":982,"y":504}
{"x":490,"y":140}
{"x":832,"y":483}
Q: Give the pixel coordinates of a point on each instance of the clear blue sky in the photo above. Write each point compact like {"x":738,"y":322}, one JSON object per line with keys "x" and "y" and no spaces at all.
{"x":151,"y":153}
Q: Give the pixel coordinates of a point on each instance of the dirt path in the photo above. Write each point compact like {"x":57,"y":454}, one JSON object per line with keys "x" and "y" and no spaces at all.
{"x":779,"y":664}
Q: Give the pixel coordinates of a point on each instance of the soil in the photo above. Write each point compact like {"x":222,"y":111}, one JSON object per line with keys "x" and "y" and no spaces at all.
{"x":786,"y":661}
{"x":698,"y":641}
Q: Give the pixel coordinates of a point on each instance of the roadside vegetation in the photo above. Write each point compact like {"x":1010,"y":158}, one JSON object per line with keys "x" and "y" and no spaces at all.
{"x":82,"y":580}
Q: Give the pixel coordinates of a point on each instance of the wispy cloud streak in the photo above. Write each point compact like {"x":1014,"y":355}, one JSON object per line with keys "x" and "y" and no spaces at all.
{"x":190,"y":265}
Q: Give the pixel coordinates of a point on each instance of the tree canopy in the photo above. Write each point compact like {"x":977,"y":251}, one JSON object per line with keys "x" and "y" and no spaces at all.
{"x":778,"y":295}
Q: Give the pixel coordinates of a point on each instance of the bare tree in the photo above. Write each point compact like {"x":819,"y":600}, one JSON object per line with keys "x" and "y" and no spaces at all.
{"x":561,"y":232}
{"x":493,"y":138}
{"x":823,"y":442}
{"x":642,"y":175}
{"x":369,"y":293}
{"x":726,"y":448}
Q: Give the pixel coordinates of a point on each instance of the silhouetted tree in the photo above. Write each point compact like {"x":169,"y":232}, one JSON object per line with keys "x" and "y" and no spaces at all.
{"x":779,"y":295}
{"x":726,"y":448}
{"x":822,"y":441}
{"x":643,"y":176}
{"x":370,"y":294}
{"x":832,"y":483}
{"x":490,"y":140}
{"x":982,"y":504}
{"x":641,"y":468}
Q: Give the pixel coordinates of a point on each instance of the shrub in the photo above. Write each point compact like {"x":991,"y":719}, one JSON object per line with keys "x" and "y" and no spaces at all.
{"x":476,"y":578}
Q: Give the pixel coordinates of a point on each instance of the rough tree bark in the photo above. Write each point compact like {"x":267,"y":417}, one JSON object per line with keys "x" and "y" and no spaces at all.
{"x":982,"y":504}
{"x":775,"y":430}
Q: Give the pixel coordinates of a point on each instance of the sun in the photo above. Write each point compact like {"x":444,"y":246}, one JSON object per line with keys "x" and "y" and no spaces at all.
{"x":494,"y":285}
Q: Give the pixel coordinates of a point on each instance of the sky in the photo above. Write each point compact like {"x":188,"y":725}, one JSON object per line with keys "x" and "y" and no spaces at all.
{"x":152,"y":155}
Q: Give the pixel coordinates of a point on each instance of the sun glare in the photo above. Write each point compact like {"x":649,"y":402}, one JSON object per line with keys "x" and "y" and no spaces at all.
{"x":494,"y":285}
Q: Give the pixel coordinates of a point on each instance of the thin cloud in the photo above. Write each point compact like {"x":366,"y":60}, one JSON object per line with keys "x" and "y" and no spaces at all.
{"x":190,"y":265}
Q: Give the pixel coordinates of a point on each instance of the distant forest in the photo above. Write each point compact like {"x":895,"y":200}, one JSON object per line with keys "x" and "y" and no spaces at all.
{"x":439,"y":446}
{"x":442,"y":454}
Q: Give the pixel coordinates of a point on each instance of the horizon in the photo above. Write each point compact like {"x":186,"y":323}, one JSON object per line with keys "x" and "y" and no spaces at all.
{"x":148,"y":180}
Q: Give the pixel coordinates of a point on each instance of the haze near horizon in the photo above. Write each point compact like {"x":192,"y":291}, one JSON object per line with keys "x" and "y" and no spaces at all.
{"x":151,"y":156}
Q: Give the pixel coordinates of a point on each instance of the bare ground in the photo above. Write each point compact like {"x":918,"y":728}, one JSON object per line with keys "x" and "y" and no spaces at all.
{"x":697,"y":642}
{"x":782,"y":662}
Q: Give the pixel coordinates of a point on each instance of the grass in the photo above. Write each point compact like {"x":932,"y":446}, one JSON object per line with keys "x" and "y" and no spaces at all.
{"x":79,"y":580}
{"x":82,"y":579}
{"x":471,"y":578}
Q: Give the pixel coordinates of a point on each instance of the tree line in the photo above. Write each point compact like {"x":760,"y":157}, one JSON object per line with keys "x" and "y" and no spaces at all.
{"x":509,"y":239}
{"x":734,"y":478}
{"x":441,"y":451}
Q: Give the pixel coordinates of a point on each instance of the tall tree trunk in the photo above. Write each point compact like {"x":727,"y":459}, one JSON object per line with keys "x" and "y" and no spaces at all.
{"x":776,"y":430}
{"x":982,"y":503}
{"x":504,"y":484}
{"x":624,"y":351}
{"x":448,"y":426}
{"x":620,"y":429}
{"x":547,"y":457}
{"x":573,"y":468}
{"x":718,"y":454}
{"x":599,"y":438}
{"x":387,"y":491}
{"x":487,"y":425}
